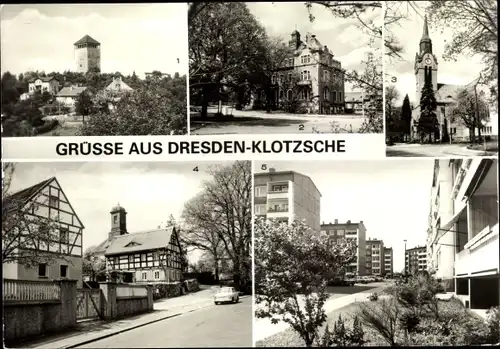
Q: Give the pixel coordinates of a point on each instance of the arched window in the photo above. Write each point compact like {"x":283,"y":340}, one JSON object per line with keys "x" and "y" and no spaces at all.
{"x":273,"y":79}
{"x":289,"y":95}
{"x":308,"y":75}
{"x":302,"y":75}
{"x":281,"y":94}
{"x":282,"y":77}
{"x":334,"y":98}
{"x":326,"y":94}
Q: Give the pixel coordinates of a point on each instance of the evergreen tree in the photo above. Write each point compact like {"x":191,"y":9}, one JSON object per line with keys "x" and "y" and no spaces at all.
{"x":427,"y":124}
{"x":406,"y":116}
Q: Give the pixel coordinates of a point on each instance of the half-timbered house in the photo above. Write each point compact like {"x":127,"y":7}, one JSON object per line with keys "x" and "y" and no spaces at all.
{"x":45,"y":202}
{"x":148,"y":256}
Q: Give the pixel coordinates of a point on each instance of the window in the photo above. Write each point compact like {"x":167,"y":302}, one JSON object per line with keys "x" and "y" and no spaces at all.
{"x":289,"y":76}
{"x":157,"y":274}
{"x":63,"y":271}
{"x":53,"y":201}
{"x":143,"y":257}
{"x":273,"y":79}
{"x":115,"y":219}
{"x":326,"y":93}
{"x":42,"y":270}
{"x":340,"y":96}
{"x":260,"y":209}
{"x":131,"y":259}
{"x":282,"y":78}
{"x":261,"y":191}
{"x":334,"y":96}
{"x":144,"y":276}
{"x":289,"y":95}
{"x":340,"y":232}
{"x":63,"y":236}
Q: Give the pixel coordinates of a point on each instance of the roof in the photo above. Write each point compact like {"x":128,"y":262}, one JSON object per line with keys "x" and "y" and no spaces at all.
{"x":18,"y":199}
{"x":71,"y":91}
{"x":44,"y":79}
{"x":87,"y":40}
{"x":122,"y":85}
{"x":444,"y":91}
{"x":142,"y":241}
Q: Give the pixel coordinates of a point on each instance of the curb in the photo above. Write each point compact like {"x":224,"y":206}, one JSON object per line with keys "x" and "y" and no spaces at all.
{"x":128,"y":329}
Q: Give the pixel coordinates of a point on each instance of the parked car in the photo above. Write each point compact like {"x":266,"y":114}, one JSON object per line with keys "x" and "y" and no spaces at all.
{"x":226,"y":295}
{"x":378,"y":279}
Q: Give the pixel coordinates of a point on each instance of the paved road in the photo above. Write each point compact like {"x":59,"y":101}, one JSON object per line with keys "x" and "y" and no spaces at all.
{"x":216,"y":326}
{"x":257,"y":122}
{"x":430,"y":150}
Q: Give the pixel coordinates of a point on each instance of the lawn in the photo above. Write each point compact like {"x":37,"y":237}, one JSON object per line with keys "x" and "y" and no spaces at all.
{"x":290,"y":338}
{"x":490,"y":146}
{"x":65,"y":129}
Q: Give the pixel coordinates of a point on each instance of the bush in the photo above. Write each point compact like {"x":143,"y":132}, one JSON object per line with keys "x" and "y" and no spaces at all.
{"x":373,"y":297}
{"x":342,"y":335}
{"x":167,"y":290}
{"x":493,"y":321}
{"x":46,"y":127}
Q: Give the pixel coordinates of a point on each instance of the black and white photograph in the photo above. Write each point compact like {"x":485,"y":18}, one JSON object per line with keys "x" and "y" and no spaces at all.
{"x":94,"y":70}
{"x":397,"y":252}
{"x":441,"y":78}
{"x":127,"y":254}
{"x":285,"y":67}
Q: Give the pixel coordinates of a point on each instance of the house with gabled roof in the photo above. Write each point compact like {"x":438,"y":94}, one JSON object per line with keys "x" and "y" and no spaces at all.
{"x":44,"y":202}
{"x":48,"y":84}
{"x":149,"y":256}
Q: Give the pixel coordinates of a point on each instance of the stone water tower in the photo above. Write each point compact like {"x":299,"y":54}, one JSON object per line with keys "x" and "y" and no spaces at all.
{"x":87,"y":54}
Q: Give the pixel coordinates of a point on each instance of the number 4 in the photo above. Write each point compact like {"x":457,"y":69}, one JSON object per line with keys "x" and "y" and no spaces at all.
{"x":195,"y":169}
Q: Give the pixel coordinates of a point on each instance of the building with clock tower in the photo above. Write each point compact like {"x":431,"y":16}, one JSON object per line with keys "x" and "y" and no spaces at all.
{"x":426,"y":67}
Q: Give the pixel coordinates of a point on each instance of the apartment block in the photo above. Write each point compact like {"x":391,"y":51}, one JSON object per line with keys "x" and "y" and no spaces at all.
{"x":388,"y":261}
{"x":375,"y":257}
{"x":287,"y":196}
{"x":355,"y":232}
{"x":463,"y":238}
{"x":416,"y":259}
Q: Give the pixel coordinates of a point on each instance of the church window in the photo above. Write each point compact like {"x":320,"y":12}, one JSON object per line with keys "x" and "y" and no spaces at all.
{"x":334,"y":96}
{"x":289,"y":94}
{"x":273,"y":79}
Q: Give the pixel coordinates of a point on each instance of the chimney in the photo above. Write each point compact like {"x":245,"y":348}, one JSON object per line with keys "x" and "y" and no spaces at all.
{"x":272,"y":169}
{"x":313,"y":36}
{"x":336,"y":221}
{"x":349,"y":222}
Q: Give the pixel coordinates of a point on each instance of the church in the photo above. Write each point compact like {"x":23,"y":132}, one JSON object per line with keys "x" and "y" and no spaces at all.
{"x":426,"y":66}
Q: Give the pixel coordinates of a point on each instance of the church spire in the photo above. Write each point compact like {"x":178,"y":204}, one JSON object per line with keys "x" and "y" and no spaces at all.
{"x":425,"y":41}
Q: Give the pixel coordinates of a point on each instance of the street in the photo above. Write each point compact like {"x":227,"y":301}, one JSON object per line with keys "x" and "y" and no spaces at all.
{"x":228,"y":325}
{"x":259,"y":122}
{"x":430,"y":150}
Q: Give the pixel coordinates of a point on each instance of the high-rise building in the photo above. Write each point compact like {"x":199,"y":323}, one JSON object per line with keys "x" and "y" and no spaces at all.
{"x":463,"y":238}
{"x":415,"y":259}
{"x":375,"y":257}
{"x":388,"y":261}
{"x":355,"y":232}
{"x":87,"y":54}
{"x":287,"y":196}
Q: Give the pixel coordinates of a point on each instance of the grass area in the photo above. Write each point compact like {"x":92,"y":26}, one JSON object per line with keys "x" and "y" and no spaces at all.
{"x":65,"y":129}
{"x":490,"y":146}
{"x":290,"y":338}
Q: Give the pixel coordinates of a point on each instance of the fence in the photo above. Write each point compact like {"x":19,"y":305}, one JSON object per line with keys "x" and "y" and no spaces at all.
{"x":128,"y":291}
{"x":23,"y":290}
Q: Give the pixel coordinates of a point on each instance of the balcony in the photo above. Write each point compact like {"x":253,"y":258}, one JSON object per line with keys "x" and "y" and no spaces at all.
{"x":277,"y":209}
{"x":480,"y":255}
{"x":304,"y":82}
{"x":278,"y":194}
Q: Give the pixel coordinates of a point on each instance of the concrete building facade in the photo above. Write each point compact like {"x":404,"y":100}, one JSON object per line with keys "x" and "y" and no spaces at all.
{"x":287,"y":196}
{"x":375,"y":257}
{"x":355,"y":232}
{"x":416,"y":259}
{"x":388,"y":261}
{"x":472,"y":258}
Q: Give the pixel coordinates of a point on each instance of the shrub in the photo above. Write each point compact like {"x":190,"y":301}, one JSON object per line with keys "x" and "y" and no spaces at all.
{"x":493,"y":321}
{"x":409,"y":321}
{"x":48,"y":126}
{"x":382,"y":317}
{"x":342,"y":335}
{"x":373,"y":297}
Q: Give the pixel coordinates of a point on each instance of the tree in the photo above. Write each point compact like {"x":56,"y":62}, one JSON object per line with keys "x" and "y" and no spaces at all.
{"x":427,"y":123}
{"x":157,"y":108}
{"x":474,"y":28}
{"x":23,"y":233}
{"x":221,"y":214}
{"x":93,"y":266}
{"x":293,"y":265}
{"x":199,"y":231}
{"x":83,"y":105}
{"x":406,"y":117}
{"x":223,"y":39}
{"x":10,"y":93}
{"x":471,"y":111}
{"x":392,"y":121}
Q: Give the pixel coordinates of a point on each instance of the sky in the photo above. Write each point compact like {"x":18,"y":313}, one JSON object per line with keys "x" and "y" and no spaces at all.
{"x":391,"y":197}
{"x":150,"y":192}
{"x":133,"y":37}
{"x":342,"y":36}
{"x":408,"y":33}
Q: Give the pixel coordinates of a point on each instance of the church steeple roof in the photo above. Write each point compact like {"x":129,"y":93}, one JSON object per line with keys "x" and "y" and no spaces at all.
{"x":425,"y":32}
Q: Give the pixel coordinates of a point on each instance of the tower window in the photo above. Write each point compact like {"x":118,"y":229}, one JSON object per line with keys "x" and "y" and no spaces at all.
{"x":115,"y":219}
